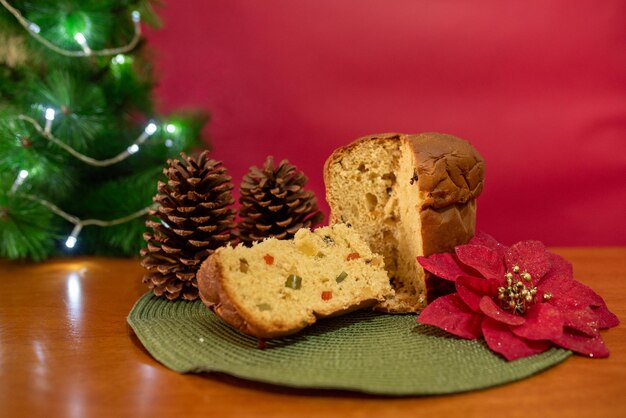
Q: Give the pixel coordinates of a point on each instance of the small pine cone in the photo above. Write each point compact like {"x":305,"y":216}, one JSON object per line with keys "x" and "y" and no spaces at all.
{"x":274,"y":203}
{"x":194,"y":219}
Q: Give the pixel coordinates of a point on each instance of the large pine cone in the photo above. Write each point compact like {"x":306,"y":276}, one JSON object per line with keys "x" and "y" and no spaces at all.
{"x":194,"y":219}
{"x":274,"y":203}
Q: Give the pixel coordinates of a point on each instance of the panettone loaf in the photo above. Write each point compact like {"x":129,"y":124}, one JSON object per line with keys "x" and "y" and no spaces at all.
{"x":407,"y":195}
{"x":277,"y":287}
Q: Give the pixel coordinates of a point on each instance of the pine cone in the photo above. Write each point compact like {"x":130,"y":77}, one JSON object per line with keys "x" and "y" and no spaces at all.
{"x":274,"y":203}
{"x":194,"y":220}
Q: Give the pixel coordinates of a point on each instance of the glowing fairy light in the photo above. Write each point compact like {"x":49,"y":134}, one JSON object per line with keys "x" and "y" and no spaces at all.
{"x":170,"y":128}
{"x":119,"y":59}
{"x":148,"y":131}
{"x":79,"y":37}
{"x":135,"y":16}
{"x":49,"y":115}
{"x":33,"y":27}
{"x":169,"y":143}
{"x":151,"y":128}
{"x":21,"y":176}
{"x":70,"y":242}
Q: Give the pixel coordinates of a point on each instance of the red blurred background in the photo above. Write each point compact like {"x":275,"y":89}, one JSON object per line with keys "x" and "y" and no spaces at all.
{"x":538,"y":87}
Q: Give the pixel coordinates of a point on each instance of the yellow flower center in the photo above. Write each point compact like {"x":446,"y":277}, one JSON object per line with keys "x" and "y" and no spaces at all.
{"x":519,"y":293}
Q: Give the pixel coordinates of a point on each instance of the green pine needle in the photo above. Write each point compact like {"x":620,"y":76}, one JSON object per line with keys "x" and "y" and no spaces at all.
{"x":25,"y":228}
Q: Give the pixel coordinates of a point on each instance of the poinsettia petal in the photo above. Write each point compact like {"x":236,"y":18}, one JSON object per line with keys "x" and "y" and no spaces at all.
{"x":582,"y":320}
{"x":501,"y":339}
{"x":560,"y":270}
{"x":451,"y":314}
{"x":530,"y":256}
{"x":606,"y":318}
{"x":574,"y":296}
{"x":582,"y":293}
{"x":493,"y":311}
{"x":560,"y":265}
{"x":582,"y":344}
{"x":555,"y":282}
{"x":488,"y":241}
{"x":472,"y":289}
{"x":444,"y":265}
{"x":486,"y":261}
{"x":543,"y":322}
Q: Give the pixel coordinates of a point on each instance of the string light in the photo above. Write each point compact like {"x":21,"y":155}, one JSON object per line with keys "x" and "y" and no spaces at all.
{"x":72,"y":239}
{"x":21,"y":176}
{"x":49,"y":116}
{"x":82,"y":41}
{"x":33,"y":29}
{"x":149,"y":130}
{"x":50,"y":113}
{"x":70,"y":242}
{"x":119,"y":59}
{"x":170,"y":128}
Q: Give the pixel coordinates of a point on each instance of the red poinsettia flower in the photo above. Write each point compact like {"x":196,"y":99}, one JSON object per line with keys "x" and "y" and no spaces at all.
{"x":521,"y":299}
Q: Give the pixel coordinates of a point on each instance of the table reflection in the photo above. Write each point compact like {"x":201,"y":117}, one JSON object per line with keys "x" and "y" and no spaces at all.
{"x":74,"y":296}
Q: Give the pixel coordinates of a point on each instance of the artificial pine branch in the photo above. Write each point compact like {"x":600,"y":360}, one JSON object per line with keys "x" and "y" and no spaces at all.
{"x":102,"y":104}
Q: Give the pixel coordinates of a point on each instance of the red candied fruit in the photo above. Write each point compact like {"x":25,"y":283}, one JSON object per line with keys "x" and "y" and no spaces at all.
{"x":269,"y":260}
{"x":353,"y":256}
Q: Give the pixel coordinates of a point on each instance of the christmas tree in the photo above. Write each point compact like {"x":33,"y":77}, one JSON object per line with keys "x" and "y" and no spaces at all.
{"x":81,"y":147}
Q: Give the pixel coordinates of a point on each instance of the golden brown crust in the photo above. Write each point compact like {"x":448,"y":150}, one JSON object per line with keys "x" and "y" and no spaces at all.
{"x":449,"y":170}
{"x":450,"y":173}
{"x":214,"y":296}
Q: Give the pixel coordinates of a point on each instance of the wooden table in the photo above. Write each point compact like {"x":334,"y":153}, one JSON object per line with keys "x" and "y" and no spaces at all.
{"x":66,"y":351}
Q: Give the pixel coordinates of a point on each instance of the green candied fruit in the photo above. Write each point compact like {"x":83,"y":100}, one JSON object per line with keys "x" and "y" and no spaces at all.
{"x":264,"y":307}
{"x":293,"y":282}
{"x":341,"y":277}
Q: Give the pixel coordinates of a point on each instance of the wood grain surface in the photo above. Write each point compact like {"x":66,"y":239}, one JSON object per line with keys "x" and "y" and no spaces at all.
{"x":66,"y":351}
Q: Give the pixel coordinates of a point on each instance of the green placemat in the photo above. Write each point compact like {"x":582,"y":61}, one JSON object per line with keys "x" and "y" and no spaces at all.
{"x":363,"y":351}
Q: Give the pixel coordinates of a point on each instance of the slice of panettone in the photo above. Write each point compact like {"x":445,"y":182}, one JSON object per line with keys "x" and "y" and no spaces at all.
{"x":278,"y":287}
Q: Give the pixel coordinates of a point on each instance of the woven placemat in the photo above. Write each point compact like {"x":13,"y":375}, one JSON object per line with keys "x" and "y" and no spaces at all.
{"x":363,"y":351}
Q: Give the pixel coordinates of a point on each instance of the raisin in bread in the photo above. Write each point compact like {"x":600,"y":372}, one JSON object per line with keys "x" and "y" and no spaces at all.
{"x":277,"y":287}
{"x":407,"y":195}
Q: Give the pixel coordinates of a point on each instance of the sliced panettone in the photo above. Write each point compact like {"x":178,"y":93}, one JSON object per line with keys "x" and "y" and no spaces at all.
{"x":277,"y":287}
{"x":407,"y":196}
